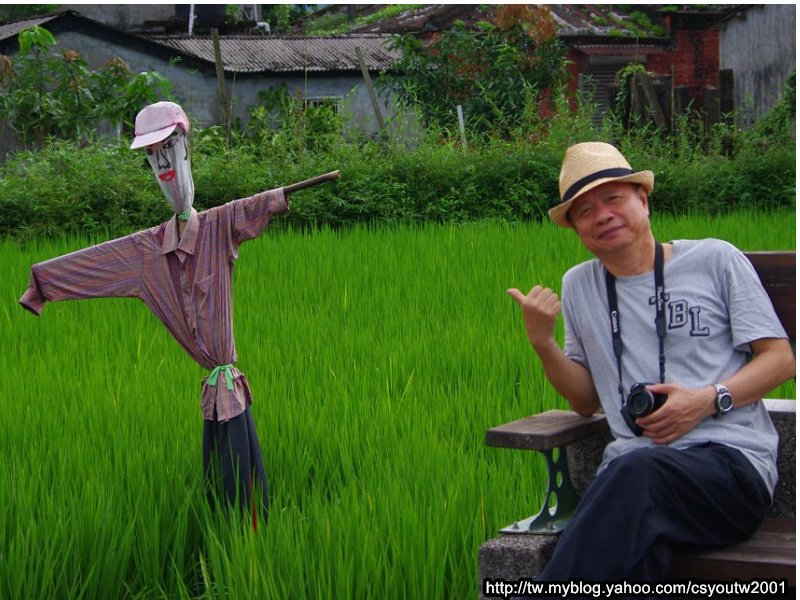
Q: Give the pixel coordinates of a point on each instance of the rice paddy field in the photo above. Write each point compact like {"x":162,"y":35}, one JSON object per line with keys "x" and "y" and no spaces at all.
{"x":377,"y":358}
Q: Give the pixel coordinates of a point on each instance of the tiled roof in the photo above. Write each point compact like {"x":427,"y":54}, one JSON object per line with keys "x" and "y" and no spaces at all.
{"x":607,"y":21}
{"x":415,"y":19}
{"x":276,"y":54}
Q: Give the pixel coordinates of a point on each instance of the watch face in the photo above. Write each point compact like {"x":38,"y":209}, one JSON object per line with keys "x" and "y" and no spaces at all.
{"x":724,"y":402}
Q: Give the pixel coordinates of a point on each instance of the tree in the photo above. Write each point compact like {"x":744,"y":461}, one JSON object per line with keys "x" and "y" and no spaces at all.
{"x":497,"y":72}
{"x":43,"y":94}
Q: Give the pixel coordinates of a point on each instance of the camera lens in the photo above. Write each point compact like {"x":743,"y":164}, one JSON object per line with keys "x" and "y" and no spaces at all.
{"x":640,"y":403}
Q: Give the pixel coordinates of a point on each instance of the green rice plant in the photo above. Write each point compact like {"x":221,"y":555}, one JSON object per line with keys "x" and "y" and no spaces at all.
{"x":377,"y":357}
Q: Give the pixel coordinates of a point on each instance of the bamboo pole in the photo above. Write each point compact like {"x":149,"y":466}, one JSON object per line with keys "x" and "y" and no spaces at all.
{"x":224,"y":102}
{"x":460,"y":112}
{"x":370,"y":88}
{"x":313,"y":181}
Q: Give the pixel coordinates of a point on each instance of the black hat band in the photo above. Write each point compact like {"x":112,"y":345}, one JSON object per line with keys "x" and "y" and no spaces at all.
{"x":578,"y":185}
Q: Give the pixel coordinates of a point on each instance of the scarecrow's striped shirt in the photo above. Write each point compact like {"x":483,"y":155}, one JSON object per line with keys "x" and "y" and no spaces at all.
{"x":186,"y":282}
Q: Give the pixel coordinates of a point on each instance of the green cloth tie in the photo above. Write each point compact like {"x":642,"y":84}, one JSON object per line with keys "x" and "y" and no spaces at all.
{"x":212,"y":379}
{"x":184,"y":216}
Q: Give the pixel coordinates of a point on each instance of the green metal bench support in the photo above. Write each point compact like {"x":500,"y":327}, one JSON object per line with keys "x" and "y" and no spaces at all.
{"x":560,"y":501}
{"x":546,"y":434}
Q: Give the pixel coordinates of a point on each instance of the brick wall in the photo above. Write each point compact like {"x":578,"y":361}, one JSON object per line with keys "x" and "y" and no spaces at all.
{"x":692,"y":58}
{"x":572,"y":77}
{"x":693,"y":61}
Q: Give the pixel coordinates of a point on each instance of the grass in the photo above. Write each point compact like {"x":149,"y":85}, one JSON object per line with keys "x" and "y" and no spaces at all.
{"x":377,"y":357}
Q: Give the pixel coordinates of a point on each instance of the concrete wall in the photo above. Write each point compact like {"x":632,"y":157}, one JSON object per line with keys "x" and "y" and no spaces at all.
{"x":126,"y":17}
{"x":349,"y":88}
{"x":759,"y":46}
{"x":195,"y":90}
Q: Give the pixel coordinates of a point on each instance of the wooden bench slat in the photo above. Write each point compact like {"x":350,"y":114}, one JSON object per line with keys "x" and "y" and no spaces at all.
{"x":555,"y":428}
{"x":770,"y":553}
{"x":545,"y":431}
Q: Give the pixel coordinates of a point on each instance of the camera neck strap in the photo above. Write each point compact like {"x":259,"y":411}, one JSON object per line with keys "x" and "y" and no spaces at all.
{"x":661,"y":318}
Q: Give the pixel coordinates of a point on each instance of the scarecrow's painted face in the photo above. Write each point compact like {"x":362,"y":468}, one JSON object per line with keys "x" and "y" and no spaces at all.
{"x":170,"y":162}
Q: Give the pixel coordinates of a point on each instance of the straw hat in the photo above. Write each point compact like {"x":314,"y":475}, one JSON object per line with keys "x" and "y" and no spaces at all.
{"x":156,"y":122}
{"x":587,"y":166}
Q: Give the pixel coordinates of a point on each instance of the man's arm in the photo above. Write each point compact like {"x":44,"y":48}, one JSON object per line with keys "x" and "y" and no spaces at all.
{"x":773,"y":363}
{"x":540,"y":309}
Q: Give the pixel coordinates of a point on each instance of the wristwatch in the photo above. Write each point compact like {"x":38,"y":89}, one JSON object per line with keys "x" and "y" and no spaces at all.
{"x":724,"y":399}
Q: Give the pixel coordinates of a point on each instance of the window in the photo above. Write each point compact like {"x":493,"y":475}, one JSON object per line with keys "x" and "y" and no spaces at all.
{"x":332,"y":102}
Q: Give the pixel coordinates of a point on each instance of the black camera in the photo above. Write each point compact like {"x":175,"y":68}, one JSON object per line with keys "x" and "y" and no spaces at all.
{"x":640,"y":403}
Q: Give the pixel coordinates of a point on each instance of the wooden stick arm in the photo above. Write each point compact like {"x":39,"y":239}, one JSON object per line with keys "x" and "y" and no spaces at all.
{"x":313,"y":181}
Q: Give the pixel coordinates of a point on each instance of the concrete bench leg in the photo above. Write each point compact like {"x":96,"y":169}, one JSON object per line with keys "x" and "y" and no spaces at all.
{"x":514,"y":557}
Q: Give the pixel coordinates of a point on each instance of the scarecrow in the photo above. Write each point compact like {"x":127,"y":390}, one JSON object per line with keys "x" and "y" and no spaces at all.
{"x":182,"y":271}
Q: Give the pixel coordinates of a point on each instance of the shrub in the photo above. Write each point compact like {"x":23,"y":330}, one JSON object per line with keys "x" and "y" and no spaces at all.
{"x":45,"y":95}
{"x":108,"y":188}
{"x":64,"y":188}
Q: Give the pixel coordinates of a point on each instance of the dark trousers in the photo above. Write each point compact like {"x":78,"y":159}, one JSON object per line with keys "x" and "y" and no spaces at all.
{"x":650,"y":501}
{"x":232,"y":464}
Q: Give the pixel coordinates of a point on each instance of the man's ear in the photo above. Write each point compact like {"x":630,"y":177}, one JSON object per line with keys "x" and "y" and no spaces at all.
{"x":642,"y":193}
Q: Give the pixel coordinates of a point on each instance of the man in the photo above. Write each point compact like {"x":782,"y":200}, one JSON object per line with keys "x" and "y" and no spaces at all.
{"x":182,"y":271}
{"x":693,"y":455}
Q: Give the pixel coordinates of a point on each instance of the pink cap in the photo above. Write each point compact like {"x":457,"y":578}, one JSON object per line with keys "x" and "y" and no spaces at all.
{"x":156,"y":122}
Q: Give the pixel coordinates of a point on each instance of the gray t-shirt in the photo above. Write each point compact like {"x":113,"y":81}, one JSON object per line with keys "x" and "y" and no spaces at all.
{"x":715,"y":306}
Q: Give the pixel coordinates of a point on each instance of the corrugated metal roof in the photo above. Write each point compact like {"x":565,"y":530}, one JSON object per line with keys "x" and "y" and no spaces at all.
{"x":277,"y":54}
{"x":12,"y":29}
